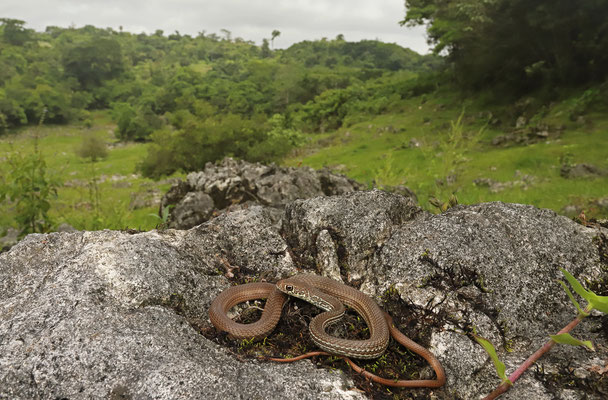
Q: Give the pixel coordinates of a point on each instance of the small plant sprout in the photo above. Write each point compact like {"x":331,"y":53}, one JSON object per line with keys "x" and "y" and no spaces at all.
{"x":498,"y":365}
{"x":594,"y":301}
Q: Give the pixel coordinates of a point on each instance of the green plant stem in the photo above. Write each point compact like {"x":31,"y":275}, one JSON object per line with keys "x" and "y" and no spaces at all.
{"x":534,"y":357}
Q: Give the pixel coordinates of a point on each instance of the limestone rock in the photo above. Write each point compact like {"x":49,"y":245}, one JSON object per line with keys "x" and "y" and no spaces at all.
{"x":581,"y":171}
{"x":233,"y":182}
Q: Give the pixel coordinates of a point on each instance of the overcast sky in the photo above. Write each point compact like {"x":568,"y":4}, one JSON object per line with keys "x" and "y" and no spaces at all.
{"x":297,"y":20}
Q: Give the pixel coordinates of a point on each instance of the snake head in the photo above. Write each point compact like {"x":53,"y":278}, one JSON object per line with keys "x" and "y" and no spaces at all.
{"x":293,"y":289}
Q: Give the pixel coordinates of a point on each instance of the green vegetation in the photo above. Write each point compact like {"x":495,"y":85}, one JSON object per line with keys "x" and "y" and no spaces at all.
{"x":407,"y":146}
{"x":515,"y":46}
{"x":594,"y":302}
{"x":93,"y":195}
{"x":497,"y":116}
{"x":213,"y":96}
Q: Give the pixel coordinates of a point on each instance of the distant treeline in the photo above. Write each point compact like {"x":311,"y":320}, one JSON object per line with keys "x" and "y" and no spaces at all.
{"x":205,"y":96}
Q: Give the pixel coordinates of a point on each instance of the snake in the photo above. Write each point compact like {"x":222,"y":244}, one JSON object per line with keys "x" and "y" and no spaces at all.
{"x":332,"y":297}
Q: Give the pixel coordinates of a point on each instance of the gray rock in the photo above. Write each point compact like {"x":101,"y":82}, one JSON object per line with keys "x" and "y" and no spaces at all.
{"x":195,"y":208}
{"x":65,"y":227}
{"x":494,"y":267}
{"x":108,"y":314}
{"x":146,"y":198}
{"x":358,"y":222}
{"x":233,"y":182}
{"x":581,"y":171}
{"x":525,"y":135}
{"x":571,"y":210}
{"x":602,"y":203}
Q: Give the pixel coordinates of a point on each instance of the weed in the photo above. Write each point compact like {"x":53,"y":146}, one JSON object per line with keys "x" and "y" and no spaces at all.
{"x":594,"y":301}
{"x":29,"y":186}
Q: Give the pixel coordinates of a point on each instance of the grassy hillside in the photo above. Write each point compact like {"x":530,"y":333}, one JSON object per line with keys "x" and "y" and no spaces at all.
{"x":376,"y":112}
{"x":410,"y":145}
{"x":418,"y":142}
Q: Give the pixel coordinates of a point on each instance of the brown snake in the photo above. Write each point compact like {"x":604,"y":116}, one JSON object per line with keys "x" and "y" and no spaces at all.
{"x":331,"y":296}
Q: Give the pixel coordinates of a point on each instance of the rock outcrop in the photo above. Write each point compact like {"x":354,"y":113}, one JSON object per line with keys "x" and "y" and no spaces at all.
{"x":232,"y":184}
{"x":109,"y":314}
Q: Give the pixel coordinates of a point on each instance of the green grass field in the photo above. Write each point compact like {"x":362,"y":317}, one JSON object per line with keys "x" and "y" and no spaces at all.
{"x":380,"y":151}
{"x":408,"y":145}
{"x":125,"y":198}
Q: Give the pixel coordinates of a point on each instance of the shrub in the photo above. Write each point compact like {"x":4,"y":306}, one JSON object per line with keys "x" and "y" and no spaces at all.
{"x":92,"y":147}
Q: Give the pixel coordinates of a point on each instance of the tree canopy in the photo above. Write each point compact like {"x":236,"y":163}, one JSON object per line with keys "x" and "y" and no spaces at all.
{"x":519,"y":45}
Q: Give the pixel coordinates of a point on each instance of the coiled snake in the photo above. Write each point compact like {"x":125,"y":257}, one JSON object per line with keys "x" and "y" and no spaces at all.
{"x":331,"y":296}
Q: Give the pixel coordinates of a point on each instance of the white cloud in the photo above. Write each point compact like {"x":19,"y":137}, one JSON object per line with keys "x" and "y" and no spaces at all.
{"x":249,"y":19}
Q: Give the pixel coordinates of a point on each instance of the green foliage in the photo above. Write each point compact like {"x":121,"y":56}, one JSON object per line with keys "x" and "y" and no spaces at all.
{"x":516,"y":46}
{"x":122,"y":195}
{"x":569,"y":293}
{"x":590,"y":98}
{"x":29,"y":187}
{"x":386,"y":174}
{"x":498,"y":365}
{"x":92,"y":147}
{"x":443,"y":206}
{"x":13,"y":31}
{"x":191,"y":143}
{"x":144,"y":78}
{"x":563,"y":337}
{"x":594,"y":301}
{"x":566,"y":338}
{"x":450,"y":155}
{"x":134,"y":124}
{"x":93,"y":61}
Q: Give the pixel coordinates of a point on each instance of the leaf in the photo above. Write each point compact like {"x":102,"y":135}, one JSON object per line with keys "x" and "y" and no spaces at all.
{"x":578,"y":288}
{"x":569,"y":293}
{"x":598,"y":302}
{"x":498,"y":365}
{"x":566,"y":338}
{"x":453,"y":201}
{"x":435,"y":202}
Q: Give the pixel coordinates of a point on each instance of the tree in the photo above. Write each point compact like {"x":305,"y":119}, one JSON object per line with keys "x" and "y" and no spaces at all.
{"x":94,"y":61}
{"x":92,"y":147}
{"x":227,"y":34}
{"x":13,"y":31}
{"x":266,"y":49}
{"x":274,"y":35}
{"x":517,"y":44}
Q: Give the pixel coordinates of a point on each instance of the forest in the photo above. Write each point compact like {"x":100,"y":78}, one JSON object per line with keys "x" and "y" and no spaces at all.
{"x":197,"y":99}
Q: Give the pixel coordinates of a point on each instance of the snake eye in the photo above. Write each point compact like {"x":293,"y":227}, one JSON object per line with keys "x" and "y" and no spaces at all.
{"x":289,"y":288}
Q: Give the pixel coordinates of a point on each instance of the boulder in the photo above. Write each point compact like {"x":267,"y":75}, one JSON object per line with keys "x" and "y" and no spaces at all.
{"x":111,"y":314}
{"x":233,"y":182}
{"x":583,"y":170}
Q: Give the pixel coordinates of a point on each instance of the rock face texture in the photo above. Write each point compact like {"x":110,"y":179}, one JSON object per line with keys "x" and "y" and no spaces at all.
{"x":240,"y":183}
{"x":113,"y":315}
